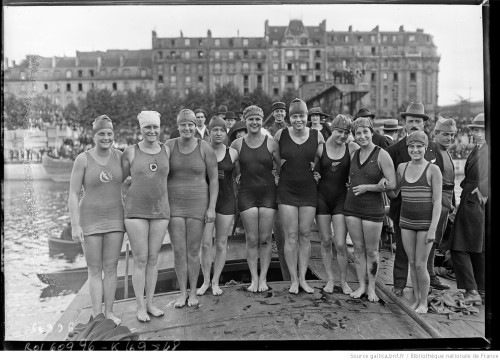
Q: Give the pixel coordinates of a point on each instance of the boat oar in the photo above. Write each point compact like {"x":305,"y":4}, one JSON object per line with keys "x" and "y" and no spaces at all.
{"x":126,"y":273}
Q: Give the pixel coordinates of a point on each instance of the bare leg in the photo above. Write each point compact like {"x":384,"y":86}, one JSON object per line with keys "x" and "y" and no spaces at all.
{"x":206,"y":257}
{"x":421,"y":255}
{"x":289,"y":217}
{"x":250,"y":219}
{"x":177,"y":232}
{"x":194,"y":231}
{"x":409,"y":240}
{"x":306,"y":218}
{"x":339,"y":238}
{"x":157,"y":230}
{"x":223,"y":222}
{"x":371,"y":233}
{"x":111,"y":247}
{"x":92,"y":248}
{"x":138,"y":230}
{"x":325,"y":232}
{"x":266,"y":222}
{"x":355,"y":227}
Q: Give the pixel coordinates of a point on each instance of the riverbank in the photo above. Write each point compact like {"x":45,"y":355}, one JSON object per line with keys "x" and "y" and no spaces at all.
{"x":18,"y":171}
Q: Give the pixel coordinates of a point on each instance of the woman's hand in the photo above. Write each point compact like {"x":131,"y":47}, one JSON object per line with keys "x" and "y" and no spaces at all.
{"x":210,"y":215}
{"x":77,"y":234}
{"x":482,"y":200}
{"x":382,"y":184}
{"x":317,"y":176}
{"x":276,"y":179}
{"x":431,"y":236}
{"x":237,"y":179}
{"x":358,"y":190}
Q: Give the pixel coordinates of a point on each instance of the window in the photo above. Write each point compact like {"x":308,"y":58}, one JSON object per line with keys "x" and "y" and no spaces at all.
{"x":68,"y":74}
{"x":317,"y":53}
{"x":303,"y":53}
{"x":217,"y":55}
{"x":80,"y":87}
{"x":187,"y":42}
{"x":374,"y":50}
{"x":217,"y":80}
{"x":413,"y":76}
{"x":173,"y":68}
{"x":126,"y":72}
{"x":200,"y":79}
{"x":384,"y":38}
{"x":395,"y":76}
{"x":46,"y":86}
{"x":289,"y":66}
{"x":289,"y":53}
{"x":318,"y":66}
{"x":91,"y":73}
{"x":200,"y":42}
{"x":160,"y":78}
{"x":160,"y":54}
{"x":172,"y":42}
{"x":259,"y":79}
{"x":92,"y":85}
{"x":245,"y":79}
{"x":187,"y":80}
{"x":394,"y":38}
{"x":115,"y":87}
{"x":200,"y":68}
{"x":68,"y":87}
{"x":276,"y":91}
{"x":231,"y":55}
{"x":386,"y":89}
{"x":276,"y":79}
{"x":303,"y":78}
{"x":58,"y":88}
{"x":217,"y":42}
{"x":245,"y":53}
{"x":245,"y":67}
{"x":346,"y":38}
{"x":200,"y":54}
{"x":411,"y":38}
{"x":318,"y":77}
{"x":173,"y":54}
{"x":275,"y":42}
{"x":187,"y":68}
{"x":259,"y":54}
{"x":173,"y":79}
{"x":413,"y":92}
{"x":143,"y":73}
{"x":245,"y":42}
{"x":385,"y":76}
{"x":360,"y":38}
{"x":373,"y":38}
{"x":289,"y":79}
{"x":245,"y":90}
{"x":374,"y":77}
{"x":386,"y":103}
{"x":259,"y":66}
{"x":217,"y":67}
{"x":303,"y":66}
{"x":276,"y":66}
{"x":395,"y":92}
{"x":114,"y":72}
{"x":80,"y":73}
{"x":275,"y":54}
{"x":231,"y":42}
{"x":187,"y":54}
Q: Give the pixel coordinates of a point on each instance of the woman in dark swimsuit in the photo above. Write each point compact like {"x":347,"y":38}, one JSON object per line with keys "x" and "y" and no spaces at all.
{"x":257,"y":193}
{"x":224,"y":209}
{"x":297,"y":194}
{"x":335,"y":160}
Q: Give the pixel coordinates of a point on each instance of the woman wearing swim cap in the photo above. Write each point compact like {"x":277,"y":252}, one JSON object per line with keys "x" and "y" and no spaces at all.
{"x":225,"y":208}
{"x":97,"y":218}
{"x":147,"y":211}
{"x":192,"y":201}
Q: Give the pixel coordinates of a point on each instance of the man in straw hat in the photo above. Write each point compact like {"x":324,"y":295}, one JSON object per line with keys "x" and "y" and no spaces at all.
{"x":415,"y":119}
{"x":377,"y":139}
{"x":467,"y":238}
{"x":390,"y":129}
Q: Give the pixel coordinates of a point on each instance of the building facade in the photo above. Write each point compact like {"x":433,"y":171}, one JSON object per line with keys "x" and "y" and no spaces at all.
{"x":395,"y":66}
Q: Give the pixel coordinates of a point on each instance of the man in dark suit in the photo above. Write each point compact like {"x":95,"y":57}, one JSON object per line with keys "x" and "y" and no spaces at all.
{"x":390,"y":129}
{"x":414,"y":120}
{"x":377,"y":139}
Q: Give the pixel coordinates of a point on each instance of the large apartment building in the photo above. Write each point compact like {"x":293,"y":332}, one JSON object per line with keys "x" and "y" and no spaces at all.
{"x":393,"y":67}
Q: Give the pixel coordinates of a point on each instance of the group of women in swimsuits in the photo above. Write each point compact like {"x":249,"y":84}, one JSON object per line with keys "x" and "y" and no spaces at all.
{"x":186,"y":186}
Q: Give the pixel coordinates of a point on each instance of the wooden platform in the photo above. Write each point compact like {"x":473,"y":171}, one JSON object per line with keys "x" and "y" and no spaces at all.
{"x":277,"y":314}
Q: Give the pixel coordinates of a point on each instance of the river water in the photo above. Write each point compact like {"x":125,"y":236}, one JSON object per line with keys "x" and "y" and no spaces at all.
{"x":33,"y":213}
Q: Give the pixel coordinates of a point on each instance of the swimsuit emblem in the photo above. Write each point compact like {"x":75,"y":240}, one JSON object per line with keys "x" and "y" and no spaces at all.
{"x":153,"y":167}
{"x":106,"y":176}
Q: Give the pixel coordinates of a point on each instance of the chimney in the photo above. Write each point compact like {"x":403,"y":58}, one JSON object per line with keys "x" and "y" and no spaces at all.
{"x":350,"y":28}
{"x":375,"y":29}
{"x":77,"y":61}
{"x":122,"y":61}
{"x":99,"y":62}
{"x":209,"y":33}
{"x":401,"y":28}
{"x":53,"y":61}
{"x":13,"y":63}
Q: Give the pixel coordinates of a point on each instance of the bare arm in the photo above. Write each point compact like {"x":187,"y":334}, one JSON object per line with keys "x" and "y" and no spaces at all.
{"x":387,"y":166}
{"x":394,"y":193}
{"x":75,"y":187}
{"x":436,"y":181}
{"x":274,"y":149}
{"x":212,"y":173}
{"x":277,"y":136}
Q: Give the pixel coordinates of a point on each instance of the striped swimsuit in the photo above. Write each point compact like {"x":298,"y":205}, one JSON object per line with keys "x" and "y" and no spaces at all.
{"x":416,"y":206}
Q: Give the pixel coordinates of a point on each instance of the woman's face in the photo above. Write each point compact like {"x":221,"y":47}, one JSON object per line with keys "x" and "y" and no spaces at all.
{"x":104,"y":138}
{"x":241,"y":133}
{"x":218,"y":134}
{"x":298,"y":121}
{"x":363,"y":136}
{"x":339,"y":136}
{"x":150,"y":132}
{"x":254,"y":123}
{"x":416,"y":150}
{"x":187,"y":130}
{"x":478,"y":134}
{"x":315,"y":119}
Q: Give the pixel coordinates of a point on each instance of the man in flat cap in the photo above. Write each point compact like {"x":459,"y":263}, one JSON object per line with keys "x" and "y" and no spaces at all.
{"x":415,"y":119}
{"x":279,"y":113}
{"x":377,"y":138}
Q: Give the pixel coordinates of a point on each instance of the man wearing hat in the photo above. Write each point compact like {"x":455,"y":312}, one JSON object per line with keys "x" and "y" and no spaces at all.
{"x":414,"y":118}
{"x":390,"y":129}
{"x":222,"y":111}
{"x":377,"y":139}
{"x":316,"y":120}
{"x":230,"y":120}
{"x":467,"y":237}
{"x":279,"y":113}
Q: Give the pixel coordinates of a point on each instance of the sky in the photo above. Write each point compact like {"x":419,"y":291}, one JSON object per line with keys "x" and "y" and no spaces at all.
{"x":62,"y":30}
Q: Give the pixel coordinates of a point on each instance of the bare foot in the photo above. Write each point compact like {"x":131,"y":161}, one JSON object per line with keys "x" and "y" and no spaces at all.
{"x":192,"y":300}
{"x":346,"y":288}
{"x":306,"y":287}
{"x":421,"y":309}
{"x":112,"y":317}
{"x":358,"y":293}
{"x":216,"y":290}
{"x":154,"y":311}
{"x":254,"y":286}
{"x":372,"y":296}
{"x":294,"y":288}
{"x":329,"y":287}
{"x":181,"y":301}
{"x":142,"y":315}
{"x":262,"y":286}
{"x":204,"y":287}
